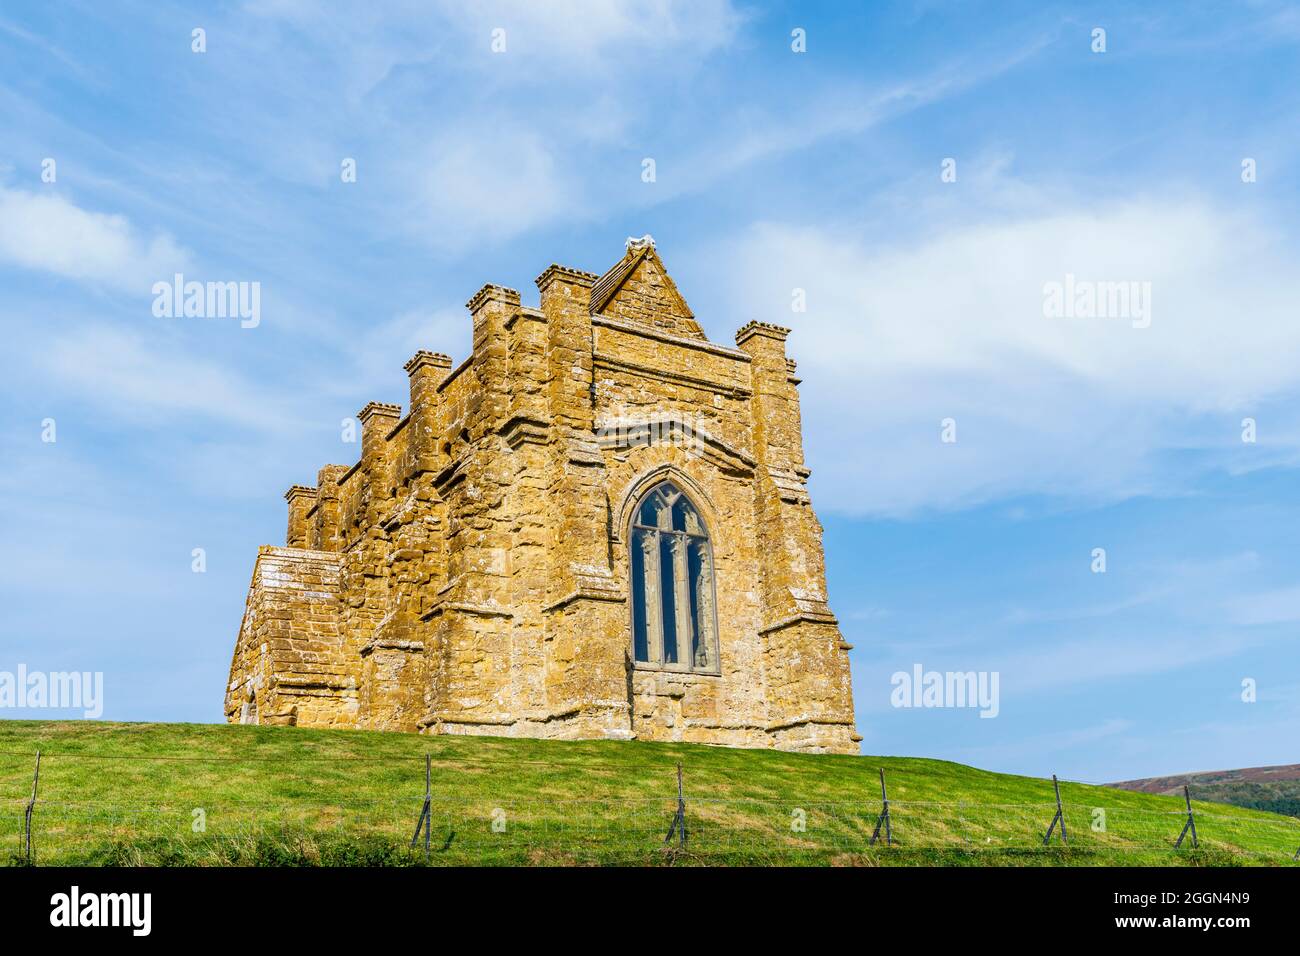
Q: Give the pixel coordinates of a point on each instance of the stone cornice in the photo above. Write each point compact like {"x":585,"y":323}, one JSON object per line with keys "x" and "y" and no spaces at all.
{"x":382,"y":409}
{"x":391,"y":645}
{"x":423,"y":359}
{"x":450,"y":475}
{"x":282,"y":552}
{"x":800,"y":618}
{"x":586,"y":594}
{"x":804,"y":719}
{"x":296,"y":491}
{"x":492,"y":293}
{"x":466,"y":607}
{"x":458,"y":719}
{"x":702,"y":345}
{"x":556,"y":272}
{"x":523,"y":429}
{"x":766,"y":329}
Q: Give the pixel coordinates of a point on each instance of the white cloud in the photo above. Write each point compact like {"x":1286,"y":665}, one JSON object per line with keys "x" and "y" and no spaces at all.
{"x":897,"y":338}
{"x":481,"y":187}
{"x":460,"y":146}
{"x":51,"y":234}
{"x":803,"y":119}
{"x":576,"y":35}
{"x":134,"y":377}
{"x":584,"y":32}
{"x":464,"y":148}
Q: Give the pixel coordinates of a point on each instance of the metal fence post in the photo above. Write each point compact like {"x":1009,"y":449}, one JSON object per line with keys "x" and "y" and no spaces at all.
{"x":883,"y":819}
{"x":1059,"y":818}
{"x":31,"y":805}
{"x":1191,"y":821}
{"x":425,"y":820}
{"x":679,"y":818}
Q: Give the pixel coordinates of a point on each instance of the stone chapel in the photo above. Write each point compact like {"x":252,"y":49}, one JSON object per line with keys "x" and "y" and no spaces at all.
{"x":595,"y":526}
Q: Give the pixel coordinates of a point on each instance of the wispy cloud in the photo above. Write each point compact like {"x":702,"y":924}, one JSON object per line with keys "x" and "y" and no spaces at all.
{"x":484,"y":187}
{"x":844,"y":109}
{"x":952,"y":325}
{"x":573,"y":36}
{"x":133,"y":375}
{"x":52,"y":234}
{"x":1280,"y":606}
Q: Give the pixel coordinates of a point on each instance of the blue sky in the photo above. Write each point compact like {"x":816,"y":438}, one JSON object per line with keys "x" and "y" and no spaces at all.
{"x":775,"y":170}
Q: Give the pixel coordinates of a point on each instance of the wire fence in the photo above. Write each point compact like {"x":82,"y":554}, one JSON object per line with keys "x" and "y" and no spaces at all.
{"x":477,"y":828}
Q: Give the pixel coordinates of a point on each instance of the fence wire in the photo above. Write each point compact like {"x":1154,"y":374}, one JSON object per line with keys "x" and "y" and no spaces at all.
{"x":475,"y":829}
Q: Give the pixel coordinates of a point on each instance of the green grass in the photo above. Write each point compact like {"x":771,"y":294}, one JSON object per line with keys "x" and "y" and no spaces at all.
{"x":125,"y":794}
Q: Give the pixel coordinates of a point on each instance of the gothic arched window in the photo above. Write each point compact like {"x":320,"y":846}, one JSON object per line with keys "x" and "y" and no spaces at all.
{"x":674,"y":621}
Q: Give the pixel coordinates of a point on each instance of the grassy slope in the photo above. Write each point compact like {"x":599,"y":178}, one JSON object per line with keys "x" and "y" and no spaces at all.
{"x":300,"y":796}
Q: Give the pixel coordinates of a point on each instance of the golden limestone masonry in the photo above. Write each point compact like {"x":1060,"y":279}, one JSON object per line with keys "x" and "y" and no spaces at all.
{"x":597,"y":525}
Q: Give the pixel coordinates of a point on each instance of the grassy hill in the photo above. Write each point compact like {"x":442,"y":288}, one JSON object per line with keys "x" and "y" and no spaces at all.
{"x":1275,"y":789}
{"x":216,"y":794}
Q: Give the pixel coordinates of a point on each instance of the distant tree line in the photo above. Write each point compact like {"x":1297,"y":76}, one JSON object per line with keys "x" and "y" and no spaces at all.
{"x":1287,"y":805}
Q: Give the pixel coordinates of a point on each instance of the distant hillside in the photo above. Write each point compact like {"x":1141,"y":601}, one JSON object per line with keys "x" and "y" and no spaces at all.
{"x":203,"y":794}
{"x":1275,"y":789}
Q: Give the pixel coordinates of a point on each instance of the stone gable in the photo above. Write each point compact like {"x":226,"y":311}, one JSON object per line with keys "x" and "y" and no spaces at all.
{"x":638,"y":289}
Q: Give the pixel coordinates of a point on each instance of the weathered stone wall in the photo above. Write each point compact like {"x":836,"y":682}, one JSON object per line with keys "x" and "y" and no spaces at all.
{"x":289,"y":666}
{"x":470,"y":574}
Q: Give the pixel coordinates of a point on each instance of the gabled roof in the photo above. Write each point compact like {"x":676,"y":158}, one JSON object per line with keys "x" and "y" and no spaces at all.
{"x":639,"y":289}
